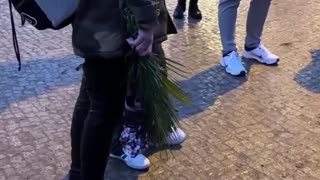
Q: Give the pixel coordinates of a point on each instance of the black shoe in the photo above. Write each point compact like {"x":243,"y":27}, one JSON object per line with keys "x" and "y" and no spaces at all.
{"x":178,"y":13}
{"x":180,"y":9}
{"x":194,"y":11}
{"x":195,"y":14}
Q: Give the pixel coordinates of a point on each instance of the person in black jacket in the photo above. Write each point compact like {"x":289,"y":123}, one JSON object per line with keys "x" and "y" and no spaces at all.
{"x":99,"y":37}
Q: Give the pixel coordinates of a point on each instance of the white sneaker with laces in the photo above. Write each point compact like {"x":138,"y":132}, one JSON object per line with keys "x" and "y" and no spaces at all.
{"x":176,"y":137}
{"x":233,"y":64}
{"x":262,"y":55}
{"x":139,"y":162}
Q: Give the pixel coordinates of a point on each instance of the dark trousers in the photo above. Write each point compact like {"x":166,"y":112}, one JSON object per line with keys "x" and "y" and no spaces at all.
{"x":97,"y":110}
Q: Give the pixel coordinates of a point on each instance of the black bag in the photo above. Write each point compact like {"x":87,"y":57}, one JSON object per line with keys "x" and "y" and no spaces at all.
{"x":42,"y":14}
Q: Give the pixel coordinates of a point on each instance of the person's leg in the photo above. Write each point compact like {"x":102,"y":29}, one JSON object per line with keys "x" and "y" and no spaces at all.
{"x":130,"y":137}
{"x":125,"y":148}
{"x":134,"y":116}
{"x":176,"y":136}
{"x":254,"y":49}
{"x":106,"y":88}
{"x":130,"y":140}
{"x":194,"y":11}
{"x":227,"y":15}
{"x":180,"y":9}
{"x":257,"y":15}
{"x":80,"y":113}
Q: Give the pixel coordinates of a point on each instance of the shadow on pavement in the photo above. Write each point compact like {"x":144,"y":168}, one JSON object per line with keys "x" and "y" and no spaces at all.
{"x":309,"y":77}
{"x":204,"y":88}
{"x":37,"y":77}
{"x":42,"y":76}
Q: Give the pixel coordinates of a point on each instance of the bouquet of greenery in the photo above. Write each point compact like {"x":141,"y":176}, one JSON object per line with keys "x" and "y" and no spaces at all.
{"x":156,"y":86}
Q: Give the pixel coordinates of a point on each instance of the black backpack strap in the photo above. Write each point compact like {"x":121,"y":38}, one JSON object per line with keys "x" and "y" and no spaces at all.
{"x":14,"y":37}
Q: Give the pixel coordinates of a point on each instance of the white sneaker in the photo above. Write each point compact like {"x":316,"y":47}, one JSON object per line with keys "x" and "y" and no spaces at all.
{"x":139,"y":162}
{"x":261,"y":54}
{"x":233,"y":64}
{"x":176,"y":137}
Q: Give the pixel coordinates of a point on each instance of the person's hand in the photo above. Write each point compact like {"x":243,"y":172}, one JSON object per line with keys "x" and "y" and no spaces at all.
{"x":143,"y":42}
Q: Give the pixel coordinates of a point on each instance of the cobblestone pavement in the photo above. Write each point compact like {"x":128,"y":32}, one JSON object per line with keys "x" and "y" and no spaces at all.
{"x":265,"y":126}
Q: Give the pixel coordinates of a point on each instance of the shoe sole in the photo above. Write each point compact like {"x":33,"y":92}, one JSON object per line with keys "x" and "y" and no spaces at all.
{"x":259,"y":59}
{"x":178,"y":143}
{"x":133,"y":167}
{"x":241,"y":74}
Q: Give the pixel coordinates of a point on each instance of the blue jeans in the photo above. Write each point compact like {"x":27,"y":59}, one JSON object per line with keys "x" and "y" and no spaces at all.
{"x":257,"y":15}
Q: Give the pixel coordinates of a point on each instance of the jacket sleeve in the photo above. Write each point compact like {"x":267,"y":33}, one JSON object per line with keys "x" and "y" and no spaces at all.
{"x":145,"y":12}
